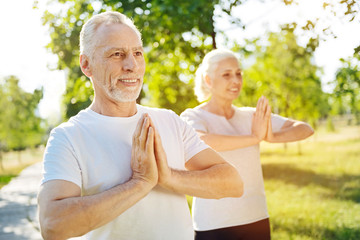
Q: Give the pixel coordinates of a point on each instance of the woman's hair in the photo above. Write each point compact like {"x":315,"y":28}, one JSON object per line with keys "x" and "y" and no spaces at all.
{"x":207,"y":67}
{"x":88,"y":31}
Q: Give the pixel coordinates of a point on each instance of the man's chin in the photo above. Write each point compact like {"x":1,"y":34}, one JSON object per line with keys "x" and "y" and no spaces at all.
{"x":123,"y":98}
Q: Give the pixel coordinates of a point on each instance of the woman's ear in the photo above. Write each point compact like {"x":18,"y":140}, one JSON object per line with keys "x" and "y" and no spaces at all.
{"x":85,"y":65}
{"x":208,"y":81}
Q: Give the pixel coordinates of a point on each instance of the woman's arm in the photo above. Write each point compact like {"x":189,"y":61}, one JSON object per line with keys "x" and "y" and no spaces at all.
{"x":258,"y":131}
{"x":291,"y":131}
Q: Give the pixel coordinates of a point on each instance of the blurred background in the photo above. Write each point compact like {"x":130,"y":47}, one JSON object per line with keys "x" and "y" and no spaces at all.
{"x":303,"y":55}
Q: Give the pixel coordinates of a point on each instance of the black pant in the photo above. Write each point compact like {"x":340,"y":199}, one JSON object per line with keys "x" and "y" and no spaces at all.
{"x":254,"y":231}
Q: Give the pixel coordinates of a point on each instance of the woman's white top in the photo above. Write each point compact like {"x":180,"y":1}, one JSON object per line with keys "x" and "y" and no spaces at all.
{"x":211,"y":214}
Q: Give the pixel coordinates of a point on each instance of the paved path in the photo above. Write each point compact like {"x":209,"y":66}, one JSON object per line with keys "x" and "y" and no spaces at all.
{"x":18,"y":206}
{"x":18,"y":210}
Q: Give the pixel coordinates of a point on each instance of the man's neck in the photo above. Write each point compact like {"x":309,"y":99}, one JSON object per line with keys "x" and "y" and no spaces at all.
{"x":114,"y":109}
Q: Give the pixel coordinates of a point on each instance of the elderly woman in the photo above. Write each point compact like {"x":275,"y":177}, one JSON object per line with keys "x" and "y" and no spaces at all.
{"x":235,"y":133}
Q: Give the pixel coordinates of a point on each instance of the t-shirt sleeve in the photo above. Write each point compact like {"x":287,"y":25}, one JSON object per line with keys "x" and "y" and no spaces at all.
{"x":277,"y":122}
{"x":191,"y":141}
{"x":60,"y":161}
{"x":193,"y":119}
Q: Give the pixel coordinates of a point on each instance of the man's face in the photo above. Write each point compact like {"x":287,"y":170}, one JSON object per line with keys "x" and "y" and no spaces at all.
{"x":118,"y":64}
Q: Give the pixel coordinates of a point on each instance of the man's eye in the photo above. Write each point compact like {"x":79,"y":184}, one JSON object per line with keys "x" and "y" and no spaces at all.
{"x":117,"y":54}
{"x":138,"y":54}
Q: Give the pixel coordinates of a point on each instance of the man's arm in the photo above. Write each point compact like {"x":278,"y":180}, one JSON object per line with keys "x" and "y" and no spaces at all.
{"x":64,"y":213}
{"x":291,"y":131}
{"x":208,"y":175}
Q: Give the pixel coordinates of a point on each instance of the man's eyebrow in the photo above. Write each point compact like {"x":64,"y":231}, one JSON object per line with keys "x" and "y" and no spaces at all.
{"x":110,"y":49}
{"x":138,"y":48}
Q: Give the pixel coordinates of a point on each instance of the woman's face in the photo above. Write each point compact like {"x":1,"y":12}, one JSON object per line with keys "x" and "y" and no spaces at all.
{"x":225,"y":81}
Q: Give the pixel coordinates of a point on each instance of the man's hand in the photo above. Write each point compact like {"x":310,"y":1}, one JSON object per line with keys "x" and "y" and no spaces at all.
{"x":161,"y":160}
{"x":143,"y":161}
{"x":261,"y":119}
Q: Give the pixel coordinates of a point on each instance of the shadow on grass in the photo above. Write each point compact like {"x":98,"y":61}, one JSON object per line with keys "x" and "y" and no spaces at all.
{"x":316,"y":231}
{"x":343,"y":187}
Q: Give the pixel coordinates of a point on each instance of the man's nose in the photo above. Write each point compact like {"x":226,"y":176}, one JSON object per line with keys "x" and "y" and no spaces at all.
{"x":130,"y":64}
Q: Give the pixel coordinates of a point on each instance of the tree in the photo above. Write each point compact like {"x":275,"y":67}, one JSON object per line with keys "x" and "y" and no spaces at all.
{"x":176,"y":37}
{"x":164,"y":29}
{"x":20,"y":127}
{"x":283,"y":72}
{"x":347,"y":88}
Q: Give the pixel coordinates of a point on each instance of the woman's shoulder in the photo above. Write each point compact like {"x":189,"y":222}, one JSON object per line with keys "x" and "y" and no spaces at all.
{"x":192,"y":112}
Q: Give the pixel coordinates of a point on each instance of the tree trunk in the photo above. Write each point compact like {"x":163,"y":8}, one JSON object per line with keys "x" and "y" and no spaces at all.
{"x":213,"y":36}
{"x":285,"y":147}
{"x":299,"y":148}
{"x":1,"y":161}
{"x":19,"y":157}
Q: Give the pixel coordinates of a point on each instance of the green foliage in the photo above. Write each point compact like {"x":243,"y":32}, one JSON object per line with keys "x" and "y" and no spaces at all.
{"x":176,"y":36}
{"x":174,"y":45}
{"x":283,"y":72}
{"x":347,"y":88}
{"x":20,"y":127}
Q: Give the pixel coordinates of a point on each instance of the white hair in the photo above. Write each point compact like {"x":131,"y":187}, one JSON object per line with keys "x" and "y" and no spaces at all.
{"x":207,"y":67}
{"x":88,"y":31}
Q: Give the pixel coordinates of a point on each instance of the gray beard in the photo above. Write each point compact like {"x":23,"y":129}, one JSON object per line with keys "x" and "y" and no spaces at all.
{"x":124,"y":96}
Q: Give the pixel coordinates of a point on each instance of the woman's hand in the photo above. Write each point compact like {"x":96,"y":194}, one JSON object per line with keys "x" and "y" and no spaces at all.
{"x":260,"y":121}
{"x":269,"y":134}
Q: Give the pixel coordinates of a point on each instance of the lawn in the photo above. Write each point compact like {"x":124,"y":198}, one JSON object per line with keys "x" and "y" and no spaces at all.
{"x":15,"y":162}
{"x":314,"y":194}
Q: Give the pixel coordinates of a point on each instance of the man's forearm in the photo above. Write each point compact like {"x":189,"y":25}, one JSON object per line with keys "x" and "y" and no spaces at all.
{"x":76,"y":216}
{"x":217,"y":181}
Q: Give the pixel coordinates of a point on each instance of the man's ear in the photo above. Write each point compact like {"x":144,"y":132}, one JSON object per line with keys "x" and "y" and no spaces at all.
{"x":208,"y":81}
{"x":85,"y":65}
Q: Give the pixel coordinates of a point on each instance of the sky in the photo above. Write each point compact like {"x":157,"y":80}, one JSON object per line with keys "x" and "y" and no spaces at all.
{"x":23,"y":40}
{"x":23,"y":54}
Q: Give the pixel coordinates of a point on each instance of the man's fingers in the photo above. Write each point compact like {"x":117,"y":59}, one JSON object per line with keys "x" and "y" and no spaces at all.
{"x":138,"y":127}
{"x":144,"y":132}
{"x":150,"y":141}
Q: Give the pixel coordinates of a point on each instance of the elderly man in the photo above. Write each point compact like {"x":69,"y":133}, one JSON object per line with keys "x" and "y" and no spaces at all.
{"x":119,"y":170}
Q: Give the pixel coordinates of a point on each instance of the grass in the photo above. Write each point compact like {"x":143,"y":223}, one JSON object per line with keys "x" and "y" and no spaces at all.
{"x":315,"y":194}
{"x":14,"y":163}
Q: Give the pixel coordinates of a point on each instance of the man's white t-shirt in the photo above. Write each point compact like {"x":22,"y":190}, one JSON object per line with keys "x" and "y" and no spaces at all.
{"x":94,"y":152}
{"x":209,"y":214}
